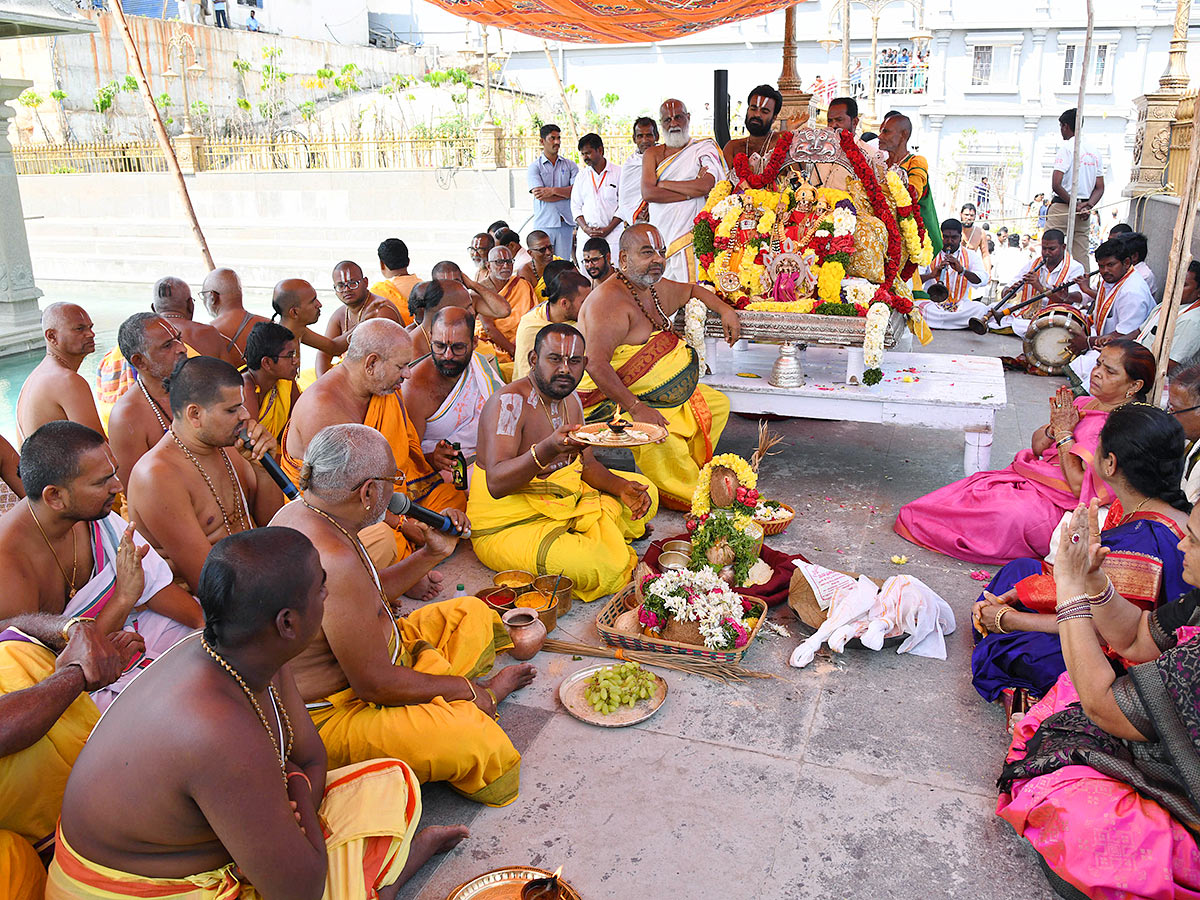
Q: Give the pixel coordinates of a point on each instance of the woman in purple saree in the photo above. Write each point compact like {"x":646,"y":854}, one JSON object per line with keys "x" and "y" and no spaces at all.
{"x":1103,"y":776}
{"x":1139,"y":458}
{"x":995,"y":517}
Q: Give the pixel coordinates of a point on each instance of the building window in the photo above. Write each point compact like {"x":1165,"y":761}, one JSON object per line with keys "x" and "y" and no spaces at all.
{"x":1068,"y":65}
{"x":1100,"y":73}
{"x":981,"y":71}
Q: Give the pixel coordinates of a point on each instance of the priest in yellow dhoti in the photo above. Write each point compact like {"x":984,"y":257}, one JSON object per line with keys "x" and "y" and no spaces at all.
{"x":269,"y":376}
{"x":396,"y":283}
{"x":638,"y":365}
{"x":380,"y":686}
{"x":46,"y":716}
{"x":562,"y":304}
{"x":365,"y":389}
{"x":539,"y":500}
{"x":292,"y":827}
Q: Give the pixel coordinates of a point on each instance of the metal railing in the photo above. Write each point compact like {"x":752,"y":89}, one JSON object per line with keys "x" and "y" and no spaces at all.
{"x":902,"y":79}
{"x":88,"y":158}
{"x":1181,"y":143}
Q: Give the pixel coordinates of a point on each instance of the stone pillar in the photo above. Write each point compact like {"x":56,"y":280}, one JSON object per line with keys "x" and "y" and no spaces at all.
{"x":1156,"y":111}
{"x":20,"y":319}
{"x":189,"y":152}
{"x":795,"y":111}
{"x":488,"y":152}
{"x":1033,"y":169}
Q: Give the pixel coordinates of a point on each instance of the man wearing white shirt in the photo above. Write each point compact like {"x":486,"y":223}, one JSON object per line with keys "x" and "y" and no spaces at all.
{"x":1123,"y":302}
{"x":1185,"y":340}
{"x":594,"y":196}
{"x":960,"y":270}
{"x":1055,"y":268}
{"x":1088,"y":187}
{"x":629,"y":187}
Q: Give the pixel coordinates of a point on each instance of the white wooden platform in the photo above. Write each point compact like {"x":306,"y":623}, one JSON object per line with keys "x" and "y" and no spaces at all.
{"x":945,"y":391}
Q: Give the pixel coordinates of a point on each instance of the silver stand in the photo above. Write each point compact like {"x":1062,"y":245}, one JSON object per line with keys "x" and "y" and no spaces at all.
{"x":788,"y":372}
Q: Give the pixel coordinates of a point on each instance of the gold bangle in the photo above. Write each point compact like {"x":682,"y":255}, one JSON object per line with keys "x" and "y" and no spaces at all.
{"x":72,"y":622}
{"x":495,"y":703}
{"x":471,"y":687}
{"x":533,"y":455}
{"x":999,"y":616}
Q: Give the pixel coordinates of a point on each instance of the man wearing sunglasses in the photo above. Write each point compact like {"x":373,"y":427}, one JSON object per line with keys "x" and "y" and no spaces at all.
{"x":358,"y":305}
{"x":447,"y":390}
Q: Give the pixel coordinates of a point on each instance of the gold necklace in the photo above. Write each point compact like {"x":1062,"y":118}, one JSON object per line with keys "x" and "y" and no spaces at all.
{"x":175,"y":316}
{"x":666,"y":326}
{"x":233,"y":483}
{"x":280,"y":712}
{"x":74,"y":554}
{"x":154,"y":407}
{"x":62,"y":360}
{"x":1137,"y":509}
{"x":358,"y":548}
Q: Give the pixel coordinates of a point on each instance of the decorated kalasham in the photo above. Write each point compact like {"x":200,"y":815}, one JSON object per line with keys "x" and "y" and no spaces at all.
{"x":824,"y":230}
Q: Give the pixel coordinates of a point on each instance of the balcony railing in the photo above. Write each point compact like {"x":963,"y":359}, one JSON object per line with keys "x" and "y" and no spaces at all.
{"x":911,"y":78}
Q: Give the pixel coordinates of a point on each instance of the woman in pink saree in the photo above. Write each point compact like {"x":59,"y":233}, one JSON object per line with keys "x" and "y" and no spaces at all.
{"x":996,"y":517}
{"x":1103,"y":776}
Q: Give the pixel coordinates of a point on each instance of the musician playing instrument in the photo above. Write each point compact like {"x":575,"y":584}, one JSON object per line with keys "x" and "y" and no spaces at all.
{"x":1055,"y":268}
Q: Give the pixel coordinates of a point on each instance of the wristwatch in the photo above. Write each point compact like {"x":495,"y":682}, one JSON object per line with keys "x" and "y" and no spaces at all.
{"x":73,"y":621}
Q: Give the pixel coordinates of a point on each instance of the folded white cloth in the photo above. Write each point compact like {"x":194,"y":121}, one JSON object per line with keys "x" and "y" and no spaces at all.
{"x":904,"y":605}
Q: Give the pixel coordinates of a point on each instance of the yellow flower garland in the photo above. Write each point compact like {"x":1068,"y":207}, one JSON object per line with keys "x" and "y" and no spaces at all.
{"x":746,"y":476}
{"x":720,"y":191}
{"x":829,"y":281}
{"x":791,"y":306}
{"x":725,"y":226}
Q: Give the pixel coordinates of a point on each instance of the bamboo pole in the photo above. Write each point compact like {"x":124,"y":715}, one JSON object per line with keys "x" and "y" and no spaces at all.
{"x":1177,"y":265}
{"x":164,"y":141}
{"x":562,"y":92}
{"x":1083,"y":79}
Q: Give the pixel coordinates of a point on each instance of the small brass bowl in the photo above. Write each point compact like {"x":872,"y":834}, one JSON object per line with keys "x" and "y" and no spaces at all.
{"x":499,"y":598}
{"x":545,"y":584}
{"x":673,"y":559}
{"x":517,"y":579}
{"x":678,"y":546}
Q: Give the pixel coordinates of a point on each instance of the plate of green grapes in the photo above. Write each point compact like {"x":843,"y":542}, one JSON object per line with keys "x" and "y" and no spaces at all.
{"x":613,"y":696}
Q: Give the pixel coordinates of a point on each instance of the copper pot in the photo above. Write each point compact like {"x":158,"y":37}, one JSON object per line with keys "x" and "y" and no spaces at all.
{"x":526,"y":631}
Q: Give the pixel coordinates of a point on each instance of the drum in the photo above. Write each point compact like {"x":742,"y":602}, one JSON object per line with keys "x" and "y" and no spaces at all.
{"x":1050,"y":332}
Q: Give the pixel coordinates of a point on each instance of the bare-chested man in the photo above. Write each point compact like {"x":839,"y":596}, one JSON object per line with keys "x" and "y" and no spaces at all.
{"x":365,"y":390}
{"x":762,"y":109}
{"x":272,"y":364}
{"x":447,"y":390}
{"x":484,"y":300}
{"x":9,"y":459}
{"x":676,"y":178}
{"x":221,"y":295}
{"x":974,"y":237}
{"x":517,"y":293}
{"x":142,"y":416}
{"x":55,"y":389}
{"x":64,"y":551}
{"x":481,"y":245}
{"x":541,"y":251}
{"x":425,"y":300}
{"x":358,"y":305}
{"x":638,"y":364}
{"x":173,"y":300}
{"x":297,"y":307}
{"x":571,"y":288}
{"x":409,"y":689}
{"x":189,"y":491}
{"x":529,"y":471}
{"x":221,"y":709}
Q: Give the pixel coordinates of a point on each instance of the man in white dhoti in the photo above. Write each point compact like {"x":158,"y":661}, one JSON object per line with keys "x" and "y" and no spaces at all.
{"x":1123,"y":303}
{"x":65,"y":552}
{"x":629,"y":187}
{"x":446,"y":392}
{"x":1055,"y":268}
{"x":961,"y":272}
{"x":676,"y":178}
{"x":595,"y":196}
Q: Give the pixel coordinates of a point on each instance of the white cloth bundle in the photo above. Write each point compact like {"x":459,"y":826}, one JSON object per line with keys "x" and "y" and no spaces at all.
{"x":904,"y":605}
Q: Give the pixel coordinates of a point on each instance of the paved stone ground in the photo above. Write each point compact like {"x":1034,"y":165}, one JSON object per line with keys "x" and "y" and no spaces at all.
{"x":863,"y":775}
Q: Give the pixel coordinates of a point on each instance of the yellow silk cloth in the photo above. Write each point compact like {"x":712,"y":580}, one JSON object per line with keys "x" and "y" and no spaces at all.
{"x":397,"y":289}
{"x":22,"y":875}
{"x":386,"y":414}
{"x":443,"y":740}
{"x":369,"y":815}
{"x":693,"y":427}
{"x":275,"y":409}
{"x":559,"y":525}
{"x":521,"y":299}
{"x":32,"y":780}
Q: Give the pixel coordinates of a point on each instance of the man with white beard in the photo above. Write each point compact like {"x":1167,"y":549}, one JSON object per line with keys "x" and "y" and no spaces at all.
{"x":676,"y":178}
{"x":629,"y":188}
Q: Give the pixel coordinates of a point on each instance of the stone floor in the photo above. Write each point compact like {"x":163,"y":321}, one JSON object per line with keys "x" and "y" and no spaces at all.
{"x":863,"y":775}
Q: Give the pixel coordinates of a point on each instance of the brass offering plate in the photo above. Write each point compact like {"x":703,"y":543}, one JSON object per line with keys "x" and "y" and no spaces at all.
{"x":636,"y":434}
{"x":505,"y":884}
{"x":570,"y":693}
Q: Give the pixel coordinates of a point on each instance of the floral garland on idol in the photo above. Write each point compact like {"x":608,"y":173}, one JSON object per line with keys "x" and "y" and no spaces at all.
{"x":770,"y":172}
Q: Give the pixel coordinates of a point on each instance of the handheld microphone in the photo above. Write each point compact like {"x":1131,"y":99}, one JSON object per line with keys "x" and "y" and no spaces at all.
{"x":402,"y":505}
{"x":273,"y":469}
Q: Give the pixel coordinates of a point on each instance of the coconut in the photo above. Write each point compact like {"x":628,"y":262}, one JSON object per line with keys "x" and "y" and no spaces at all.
{"x":722,"y":487}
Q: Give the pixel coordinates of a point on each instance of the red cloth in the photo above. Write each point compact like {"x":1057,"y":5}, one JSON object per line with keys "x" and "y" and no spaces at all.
{"x":774,"y":592}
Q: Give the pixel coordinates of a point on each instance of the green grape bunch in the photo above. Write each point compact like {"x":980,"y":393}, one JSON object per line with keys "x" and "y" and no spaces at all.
{"x":612,"y":687}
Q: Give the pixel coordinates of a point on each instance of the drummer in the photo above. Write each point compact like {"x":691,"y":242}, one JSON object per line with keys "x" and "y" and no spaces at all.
{"x":1123,"y":301}
{"x":1054,"y":269}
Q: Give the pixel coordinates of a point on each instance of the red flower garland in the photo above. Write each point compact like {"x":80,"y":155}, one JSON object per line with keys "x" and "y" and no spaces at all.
{"x":741,"y":164}
{"x":883,"y":212}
